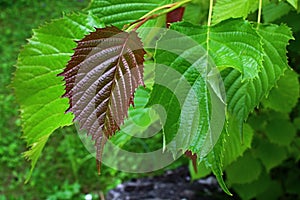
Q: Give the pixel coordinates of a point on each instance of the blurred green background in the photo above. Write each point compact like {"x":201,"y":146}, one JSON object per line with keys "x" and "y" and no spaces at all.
{"x":66,"y":170}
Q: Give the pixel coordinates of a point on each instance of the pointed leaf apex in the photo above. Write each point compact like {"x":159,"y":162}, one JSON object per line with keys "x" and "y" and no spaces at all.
{"x":101,"y":78}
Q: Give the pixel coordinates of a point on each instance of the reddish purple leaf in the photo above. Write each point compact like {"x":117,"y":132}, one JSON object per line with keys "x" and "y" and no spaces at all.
{"x":193,"y":157}
{"x":175,"y":16}
{"x":101,"y":78}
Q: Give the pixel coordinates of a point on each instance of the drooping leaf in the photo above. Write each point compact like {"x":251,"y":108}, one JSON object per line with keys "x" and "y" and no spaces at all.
{"x":37,"y":88}
{"x":286,"y":90}
{"x":225,"y":9}
{"x":214,"y":160}
{"x":190,"y":59}
{"x":101,"y":79}
{"x":234,"y":147}
{"x":193,"y":68}
{"x":192,"y":62}
{"x":119,"y":13}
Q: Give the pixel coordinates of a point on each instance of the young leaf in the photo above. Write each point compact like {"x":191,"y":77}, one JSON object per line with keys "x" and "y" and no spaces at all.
{"x":175,"y":16}
{"x":37,"y":88}
{"x":101,"y":78}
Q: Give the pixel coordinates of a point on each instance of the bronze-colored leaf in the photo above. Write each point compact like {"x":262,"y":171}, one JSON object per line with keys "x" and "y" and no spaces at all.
{"x":101,"y":78}
{"x":175,"y":16}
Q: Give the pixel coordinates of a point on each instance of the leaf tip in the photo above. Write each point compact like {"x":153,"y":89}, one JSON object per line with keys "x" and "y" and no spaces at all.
{"x":193,"y":157}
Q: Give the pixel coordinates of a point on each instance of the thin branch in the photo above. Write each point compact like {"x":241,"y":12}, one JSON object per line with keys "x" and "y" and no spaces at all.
{"x":259,"y":13}
{"x":211,"y":2}
{"x":150,"y":15}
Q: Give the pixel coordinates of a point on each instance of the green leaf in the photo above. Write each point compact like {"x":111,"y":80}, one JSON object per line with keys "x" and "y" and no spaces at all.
{"x":257,"y":121}
{"x":253,"y":189}
{"x":196,"y":12}
{"x":223,"y":36}
{"x":296,"y":123}
{"x":148,"y":34}
{"x":287,"y":91}
{"x":38,"y":90}
{"x":245,"y":169}
{"x":119,"y":13}
{"x":274,"y":11}
{"x":138,"y":121}
{"x":225,"y":9}
{"x":214,"y":161}
{"x":291,"y":182}
{"x":202,"y":171}
{"x":294,"y":149}
{"x":281,"y":132}
{"x":230,"y":44}
{"x":273,"y":191}
{"x":244,"y":96}
{"x":234,"y":146}
{"x":294,"y":3}
{"x":270,"y":154}
{"x":184,"y":58}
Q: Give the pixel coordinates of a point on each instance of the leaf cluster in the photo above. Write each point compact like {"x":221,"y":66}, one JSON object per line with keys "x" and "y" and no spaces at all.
{"x":222,"y":72}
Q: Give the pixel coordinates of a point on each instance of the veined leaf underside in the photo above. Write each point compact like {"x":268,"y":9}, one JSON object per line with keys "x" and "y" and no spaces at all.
{"x":101,"y":79}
